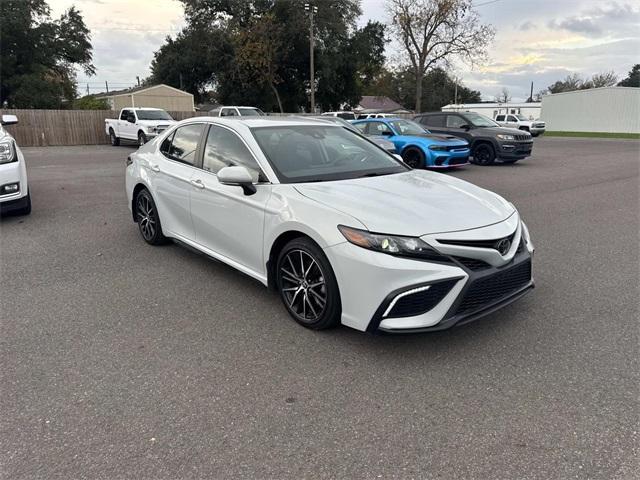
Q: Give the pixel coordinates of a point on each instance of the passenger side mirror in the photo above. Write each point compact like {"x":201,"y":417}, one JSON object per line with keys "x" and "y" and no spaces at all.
{"x":9,"y":119}
{"x":238,"y":176}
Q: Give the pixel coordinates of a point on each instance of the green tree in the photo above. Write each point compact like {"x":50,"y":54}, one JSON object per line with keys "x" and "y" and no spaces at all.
{"x":633,"y":79}
{"x":433,"y":32}
{"x":38,"y":55}
{"x":90,"y":102}
{"x":265,"y":53}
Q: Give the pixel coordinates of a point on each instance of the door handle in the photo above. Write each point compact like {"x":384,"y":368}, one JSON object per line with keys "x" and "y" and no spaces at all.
{"x":197,"y":183}
{"x":155,"y":168}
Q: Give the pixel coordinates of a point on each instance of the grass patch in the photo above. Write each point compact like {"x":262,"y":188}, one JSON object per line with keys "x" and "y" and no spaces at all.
{"x":635,"y":136}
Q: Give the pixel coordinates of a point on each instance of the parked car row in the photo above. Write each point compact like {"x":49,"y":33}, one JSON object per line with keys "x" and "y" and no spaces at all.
{"x":344,"y":231}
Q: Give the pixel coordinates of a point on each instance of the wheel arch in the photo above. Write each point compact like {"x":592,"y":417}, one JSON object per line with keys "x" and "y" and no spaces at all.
{"x":276,"y":247}
{"x":136,"y":190}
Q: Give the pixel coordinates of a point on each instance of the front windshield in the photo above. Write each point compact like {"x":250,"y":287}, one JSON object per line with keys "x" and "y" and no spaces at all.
{"x":521,"y":117}
{"x":153,"y":115}
{"x":478,"y":120}
{"x":314,"y":153}
{"x":251,"y":112}
{"x":408,"y":127}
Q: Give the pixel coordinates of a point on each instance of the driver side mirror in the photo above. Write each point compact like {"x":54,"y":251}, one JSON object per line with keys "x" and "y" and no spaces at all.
{"x":9,"y":119}
{"x":466,"y":127}
{"x":238,"y":176}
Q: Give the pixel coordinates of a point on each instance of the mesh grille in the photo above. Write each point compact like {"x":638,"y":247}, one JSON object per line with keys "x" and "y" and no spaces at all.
{"x":421,"y":302}
{"x":487,"y":290}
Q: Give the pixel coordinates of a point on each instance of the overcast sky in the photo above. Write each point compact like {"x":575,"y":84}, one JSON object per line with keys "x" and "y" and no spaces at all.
{"x":539,"y":41}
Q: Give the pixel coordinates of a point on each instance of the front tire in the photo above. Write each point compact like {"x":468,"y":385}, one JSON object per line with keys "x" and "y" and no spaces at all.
{"x":26,"y":210}
{"x":307,"y":285}
{"x":414,"y":157}
{"x":115,"y":141}
{"x":484,"y":154}
{"x":142,"y":139}
{"x":148,"y":219}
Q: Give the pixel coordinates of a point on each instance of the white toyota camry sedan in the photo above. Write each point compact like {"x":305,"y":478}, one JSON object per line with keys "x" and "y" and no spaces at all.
{"x":343,"y":230}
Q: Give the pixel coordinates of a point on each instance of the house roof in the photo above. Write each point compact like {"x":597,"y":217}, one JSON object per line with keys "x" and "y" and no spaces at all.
{"x":129,"y":91}
{"x":380,"y":104}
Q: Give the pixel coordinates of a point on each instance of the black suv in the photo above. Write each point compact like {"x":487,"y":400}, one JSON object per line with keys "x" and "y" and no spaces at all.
{"x":488,"y":140}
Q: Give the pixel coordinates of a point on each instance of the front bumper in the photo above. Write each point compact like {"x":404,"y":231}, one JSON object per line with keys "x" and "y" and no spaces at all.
{"x":385,"y":293}
{"x":447,"y":159}
{"x":13,"y":173}
{"x":514,"y":149}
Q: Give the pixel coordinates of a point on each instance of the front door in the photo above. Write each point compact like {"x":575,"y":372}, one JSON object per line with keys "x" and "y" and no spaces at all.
{"x":226,"y":220}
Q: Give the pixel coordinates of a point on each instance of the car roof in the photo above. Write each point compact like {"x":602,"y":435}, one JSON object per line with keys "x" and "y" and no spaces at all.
{"x":256,"y":122}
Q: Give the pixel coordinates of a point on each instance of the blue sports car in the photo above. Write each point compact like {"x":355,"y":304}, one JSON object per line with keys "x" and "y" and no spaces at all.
{"x":418,"y":147}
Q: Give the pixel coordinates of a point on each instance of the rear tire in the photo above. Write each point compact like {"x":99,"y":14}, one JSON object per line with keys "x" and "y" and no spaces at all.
{"x":307,"y":285}
{"x":414,"y":157}
{"x":146,"y":214}
{"x":484,"y":154}
{"x":115,"y":141}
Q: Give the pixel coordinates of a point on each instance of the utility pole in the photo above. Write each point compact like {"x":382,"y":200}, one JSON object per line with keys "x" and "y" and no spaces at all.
{"x":87,"y":89}
{"x":455,"y":97}
{"x":138,"y":80}
{"x":531,"y":94}
{"x":312,"y":84}
{"x":106,"y":84}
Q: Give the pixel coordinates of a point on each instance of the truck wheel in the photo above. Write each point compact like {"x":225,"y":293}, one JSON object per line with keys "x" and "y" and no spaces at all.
{"x":142,"y":138}
{"x":115,"y":141}
{"x":484,"y":154}
{"x":414,"y":157}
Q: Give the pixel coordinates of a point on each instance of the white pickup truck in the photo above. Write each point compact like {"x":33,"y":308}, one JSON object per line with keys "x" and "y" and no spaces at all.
{"x":138,"y":124}
{"x":519,"y":121}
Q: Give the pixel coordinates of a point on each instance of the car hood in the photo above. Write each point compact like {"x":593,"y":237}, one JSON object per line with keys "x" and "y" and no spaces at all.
{"x":413,"y":203}
{"x":497,"y":130}
{"x":437,"y":138}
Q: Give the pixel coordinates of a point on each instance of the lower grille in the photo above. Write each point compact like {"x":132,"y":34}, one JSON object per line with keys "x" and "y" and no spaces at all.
{"x":490,"y":289}
{"x":458,"y":160}
{"x":421,"y":301}
{"x":472,"y":263}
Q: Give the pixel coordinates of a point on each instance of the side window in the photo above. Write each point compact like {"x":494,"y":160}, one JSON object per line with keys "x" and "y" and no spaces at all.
{"x":432,"y":120}
{"x":379,"y":128}
{"x":229,"y":112}
{"x":511,"y":118}
{"x":454,"y":121}
{"x":362,"y":127}
{"x":500,"y":118}
{"x":185,"y":143}
{"x":224,"y":149}
{"x":166,"y":144}
{"x":125,"y":114}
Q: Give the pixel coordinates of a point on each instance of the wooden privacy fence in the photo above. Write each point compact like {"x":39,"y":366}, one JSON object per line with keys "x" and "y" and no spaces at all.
{"x":42,"y":128}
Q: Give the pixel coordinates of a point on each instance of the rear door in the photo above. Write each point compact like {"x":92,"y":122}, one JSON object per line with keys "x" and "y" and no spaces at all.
{"x":226,"y":220}
{"x":172,"y":179}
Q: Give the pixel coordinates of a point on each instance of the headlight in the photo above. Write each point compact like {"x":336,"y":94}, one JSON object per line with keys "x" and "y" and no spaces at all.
{"x":151,"y":129}
{"x":438,"y":148}
{"x":391,"y":244}
{"x":505,"y":137}
{"x":7,"y":151}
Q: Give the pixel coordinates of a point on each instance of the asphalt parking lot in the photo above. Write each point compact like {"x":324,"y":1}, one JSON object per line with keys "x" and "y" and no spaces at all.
{"x":121,"y":360}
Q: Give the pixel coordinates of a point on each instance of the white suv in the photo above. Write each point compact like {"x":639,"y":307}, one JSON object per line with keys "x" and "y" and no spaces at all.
{"x":14,"y":190}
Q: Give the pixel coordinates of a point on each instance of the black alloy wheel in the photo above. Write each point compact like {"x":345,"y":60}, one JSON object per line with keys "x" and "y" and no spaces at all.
{"x":413,"y":157}
{"x":148,"y":219}
{"x":307,"y":285}
{"x":484,"y":154}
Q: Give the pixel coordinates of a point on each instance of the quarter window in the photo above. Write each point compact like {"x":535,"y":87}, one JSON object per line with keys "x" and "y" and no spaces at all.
{"x":225,"y":149}
{"x":185,"y":143}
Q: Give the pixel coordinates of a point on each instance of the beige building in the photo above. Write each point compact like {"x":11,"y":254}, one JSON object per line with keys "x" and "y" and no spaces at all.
{"x":156,"y":96}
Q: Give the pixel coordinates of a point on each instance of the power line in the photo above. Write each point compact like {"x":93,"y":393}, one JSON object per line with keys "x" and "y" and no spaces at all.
{"x":485,"y":3}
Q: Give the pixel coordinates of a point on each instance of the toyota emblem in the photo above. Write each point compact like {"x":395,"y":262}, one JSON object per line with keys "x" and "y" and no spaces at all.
{"x":503,"y":246}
